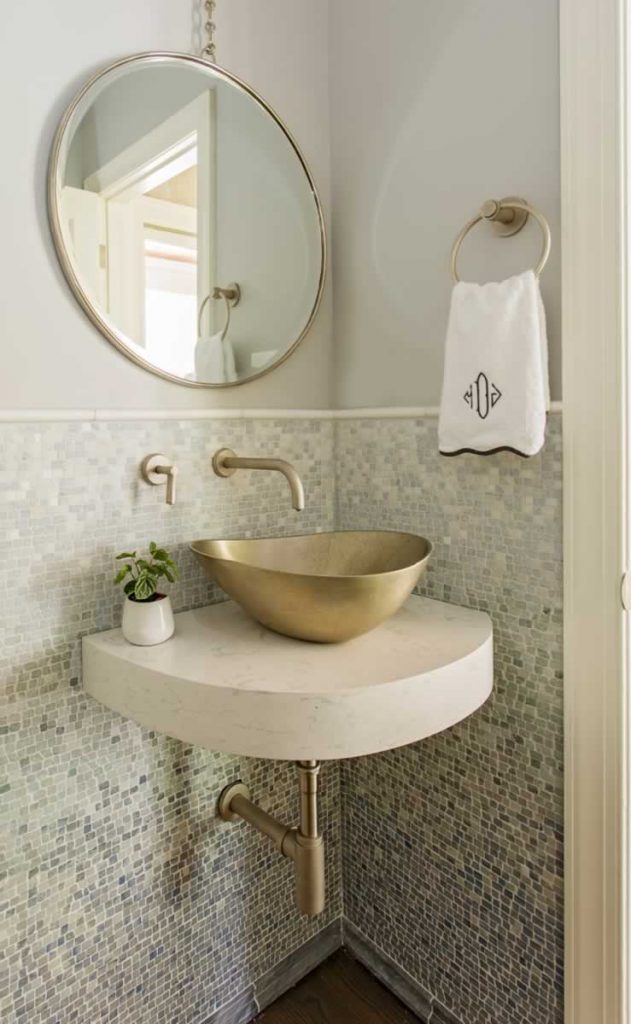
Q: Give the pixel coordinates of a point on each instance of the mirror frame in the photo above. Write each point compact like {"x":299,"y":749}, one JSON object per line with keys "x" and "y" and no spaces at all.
{"x":116,"y":337}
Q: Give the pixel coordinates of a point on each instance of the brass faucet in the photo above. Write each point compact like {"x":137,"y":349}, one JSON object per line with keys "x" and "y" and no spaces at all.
{"x":225,"y":463}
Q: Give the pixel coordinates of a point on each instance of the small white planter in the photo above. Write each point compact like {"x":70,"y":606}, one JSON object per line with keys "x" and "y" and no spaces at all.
{"x":146,"y":623}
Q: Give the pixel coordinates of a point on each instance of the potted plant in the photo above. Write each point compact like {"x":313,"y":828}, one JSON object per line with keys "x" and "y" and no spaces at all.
{"x":147,"y":613}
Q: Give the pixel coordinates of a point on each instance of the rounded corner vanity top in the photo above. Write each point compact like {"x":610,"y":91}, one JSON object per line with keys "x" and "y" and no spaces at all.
{"x":228,"y":684}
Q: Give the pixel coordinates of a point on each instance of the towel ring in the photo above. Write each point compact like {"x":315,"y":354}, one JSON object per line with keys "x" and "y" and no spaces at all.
{"x":508,"y":217}
{"x":232,"y":297}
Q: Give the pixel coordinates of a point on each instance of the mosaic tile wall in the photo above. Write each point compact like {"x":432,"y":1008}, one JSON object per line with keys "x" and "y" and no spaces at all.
{"x":453,"y":847}
{"x":128,"y":901}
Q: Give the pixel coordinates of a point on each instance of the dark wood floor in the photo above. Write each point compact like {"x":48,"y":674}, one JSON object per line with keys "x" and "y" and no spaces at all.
{"x":340,"y":991}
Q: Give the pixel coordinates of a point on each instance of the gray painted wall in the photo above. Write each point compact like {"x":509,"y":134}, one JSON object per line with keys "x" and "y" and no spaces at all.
{"x":435,"y":107}
{"x":278,"y":47}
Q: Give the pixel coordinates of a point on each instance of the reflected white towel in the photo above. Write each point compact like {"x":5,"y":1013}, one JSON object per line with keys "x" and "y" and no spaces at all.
{"x":495,"y":387}
{"x":214,"y":360}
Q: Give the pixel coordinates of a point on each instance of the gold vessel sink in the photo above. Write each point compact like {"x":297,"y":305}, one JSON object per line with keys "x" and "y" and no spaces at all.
{"x":324,"y":587}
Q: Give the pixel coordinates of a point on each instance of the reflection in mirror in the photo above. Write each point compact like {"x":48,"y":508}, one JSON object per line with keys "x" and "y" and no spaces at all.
{"x":186,"y":220}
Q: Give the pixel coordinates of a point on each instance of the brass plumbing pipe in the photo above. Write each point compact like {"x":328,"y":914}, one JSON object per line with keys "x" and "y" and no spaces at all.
{"x":304,"y":845}
{"x":309,"y":771}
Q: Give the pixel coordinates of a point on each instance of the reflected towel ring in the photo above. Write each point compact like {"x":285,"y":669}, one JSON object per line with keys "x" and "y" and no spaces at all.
{"x":508,"y":216}
{"x":232,"y":297}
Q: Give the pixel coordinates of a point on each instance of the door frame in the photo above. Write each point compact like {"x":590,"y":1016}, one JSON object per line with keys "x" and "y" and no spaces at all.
{"x":594,"y":242}
{"x":186,"y":138}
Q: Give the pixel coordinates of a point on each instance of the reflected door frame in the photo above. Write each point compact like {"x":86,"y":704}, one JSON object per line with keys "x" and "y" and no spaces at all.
{"x":182,"y":140}
{"x":594,"y":58}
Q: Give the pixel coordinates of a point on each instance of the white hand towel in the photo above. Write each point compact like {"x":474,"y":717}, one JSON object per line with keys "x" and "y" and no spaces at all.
{"x":495,"y":387}
{"x":214,"y":360}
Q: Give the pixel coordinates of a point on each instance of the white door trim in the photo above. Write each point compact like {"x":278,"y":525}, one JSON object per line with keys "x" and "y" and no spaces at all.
{"x":156,"y":157}
{"x":594,"y":252}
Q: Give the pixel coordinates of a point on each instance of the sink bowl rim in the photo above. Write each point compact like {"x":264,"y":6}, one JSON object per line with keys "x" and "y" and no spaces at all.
{"x":313,"y":575}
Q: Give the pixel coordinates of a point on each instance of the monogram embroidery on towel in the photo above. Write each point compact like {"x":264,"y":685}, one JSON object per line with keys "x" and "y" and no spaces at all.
{"x":482,"y":396}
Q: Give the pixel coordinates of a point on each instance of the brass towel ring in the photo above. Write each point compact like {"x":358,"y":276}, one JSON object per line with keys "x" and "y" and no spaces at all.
{"x":231,"y":295}
{"x":508,"y":216}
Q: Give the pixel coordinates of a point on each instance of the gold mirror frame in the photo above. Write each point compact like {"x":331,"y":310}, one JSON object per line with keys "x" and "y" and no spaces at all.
{"x":117,"y":338}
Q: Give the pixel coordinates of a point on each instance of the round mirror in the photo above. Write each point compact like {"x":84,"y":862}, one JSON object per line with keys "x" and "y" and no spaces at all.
{"x":186,"y":220}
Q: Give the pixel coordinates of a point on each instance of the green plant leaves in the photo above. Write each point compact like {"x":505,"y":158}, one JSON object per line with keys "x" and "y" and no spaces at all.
{"x":145,"y":574}
{"x":146,"y":586}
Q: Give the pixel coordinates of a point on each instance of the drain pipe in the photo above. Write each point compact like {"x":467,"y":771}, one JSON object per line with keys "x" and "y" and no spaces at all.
{"x":304,"y":845}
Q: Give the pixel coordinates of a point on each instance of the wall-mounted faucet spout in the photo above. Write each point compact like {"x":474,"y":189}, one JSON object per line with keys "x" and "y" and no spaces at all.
{"x":226,"y":462}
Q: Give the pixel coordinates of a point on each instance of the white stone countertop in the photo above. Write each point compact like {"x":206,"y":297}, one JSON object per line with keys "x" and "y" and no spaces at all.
{"x":226,"y":683}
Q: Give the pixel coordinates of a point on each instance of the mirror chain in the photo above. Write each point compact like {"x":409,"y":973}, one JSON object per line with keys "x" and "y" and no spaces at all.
{"x":210,"y":50}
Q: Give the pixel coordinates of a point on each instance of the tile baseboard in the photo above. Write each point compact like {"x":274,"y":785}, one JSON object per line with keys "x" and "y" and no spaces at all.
{"x":240,"y":1010}
{"x":298,"y":965}
{"x":398,"y":981}
{"x":442,"y":1016}
{"x":290,"y":971}
{"x":285,"y":975}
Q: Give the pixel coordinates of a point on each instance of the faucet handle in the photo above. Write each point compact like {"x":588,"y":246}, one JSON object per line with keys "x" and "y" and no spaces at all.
{"x":155,"y":470}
